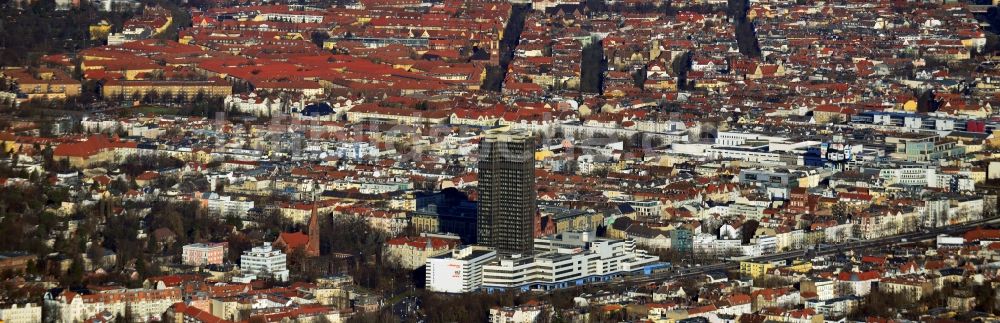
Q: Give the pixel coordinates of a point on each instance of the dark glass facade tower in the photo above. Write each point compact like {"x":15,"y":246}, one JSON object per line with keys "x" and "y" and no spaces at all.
{"x":506,"y":204}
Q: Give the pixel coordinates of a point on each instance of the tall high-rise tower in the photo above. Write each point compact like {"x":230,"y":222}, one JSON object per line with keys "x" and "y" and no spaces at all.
{"x":506,"y":204}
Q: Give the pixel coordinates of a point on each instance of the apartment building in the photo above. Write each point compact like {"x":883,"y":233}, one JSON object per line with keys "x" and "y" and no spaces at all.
{"x":134,"y":90}
{"x":202,"y":254}
{"x":43,"y":83}
{"x":264,"y":261}
{"x":27,"y":313}
{"x":144,"y":304}
{"x":225,"y":206}
{"x":412,"y":252}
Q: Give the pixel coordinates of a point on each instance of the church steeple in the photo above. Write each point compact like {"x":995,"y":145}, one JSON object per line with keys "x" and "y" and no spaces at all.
{"x":312,"y":247}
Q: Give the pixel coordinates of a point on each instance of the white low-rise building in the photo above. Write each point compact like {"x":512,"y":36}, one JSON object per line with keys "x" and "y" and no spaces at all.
{"x":753,"y":155}
{"x":760,"y":246}
{"x":355,"y":150}
{"x":226,"y":205}
{"x":567,"y":259}
{"x":460,"y":271}
{"x":129,"y":35}
{"x":709,"y":245}
{"x":100,"y":125}
{"x":262,"y":105}
{"x":526,"y":313}
{"x":264,"y":261}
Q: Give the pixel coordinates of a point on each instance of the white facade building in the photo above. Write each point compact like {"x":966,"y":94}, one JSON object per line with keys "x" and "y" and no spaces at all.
{"x":753,"y":155}
{"x":264,"y":261}
{"x":527,"y":313}
{"x":262,"y":105}
{"x":710,"y":245}
{"x":27,"y":313}
{"x":910,"y":175}
{"x":294,"y":17}
{"x":226,"y":205}
{"x":760,"y":246}
{"x":355,"y":150}
{"x":144,"y":304}
{"x":461,"y":271}
{"x":129,"y":35}
{"x":100,"y":125}
{"x":727,"y":138}
{"x":560,"y":261}
{"x":567,"y":259}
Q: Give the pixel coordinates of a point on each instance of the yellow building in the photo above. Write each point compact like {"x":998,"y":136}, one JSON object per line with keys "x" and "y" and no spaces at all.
{"x":755,"y":269}
{"x":100,"y":31}
{"x":44,"y":83}
{"x":663,"y":85}
{"x":800,"y":267}
{"x":189,"y":89}
{"x":566,"y":220}
{"x":423,"y":222}
{"x":96,"y":149}
{"x":543,"y":154}
{"x":911,"y":288}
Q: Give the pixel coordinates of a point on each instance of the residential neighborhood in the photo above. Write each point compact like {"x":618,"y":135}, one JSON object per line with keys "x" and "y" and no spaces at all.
{"x":499,"y":161}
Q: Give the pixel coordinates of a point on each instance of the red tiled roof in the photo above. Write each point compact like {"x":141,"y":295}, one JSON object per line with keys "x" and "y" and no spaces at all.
{"x":858,"y":276}
{"x":292,"y":240}
{"x":147,"y":176}
{"x":739,"y":298}
{"x":873,"y":259}
{"x":196,"y":314}
{"x":979,"y":234}
{"x":93,"y":145}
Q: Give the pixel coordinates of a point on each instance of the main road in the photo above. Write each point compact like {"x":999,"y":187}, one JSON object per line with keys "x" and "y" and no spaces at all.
{"x":826,"y":250}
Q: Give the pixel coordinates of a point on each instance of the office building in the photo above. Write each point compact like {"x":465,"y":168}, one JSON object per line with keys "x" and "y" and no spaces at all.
{"x":506,"y":205}
{"x":568,"y":259}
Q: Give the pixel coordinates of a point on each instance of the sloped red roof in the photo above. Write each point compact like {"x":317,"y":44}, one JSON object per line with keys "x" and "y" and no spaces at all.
{"x":858,"y":276}
{"x":197,"y":314}
{"x":292,"y":240}
{"x":873,"y":259}
{"x":739,"y":298}
{"x":147,"y":176}
{"x":978,"y":234}
{"x":93,"y":145}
